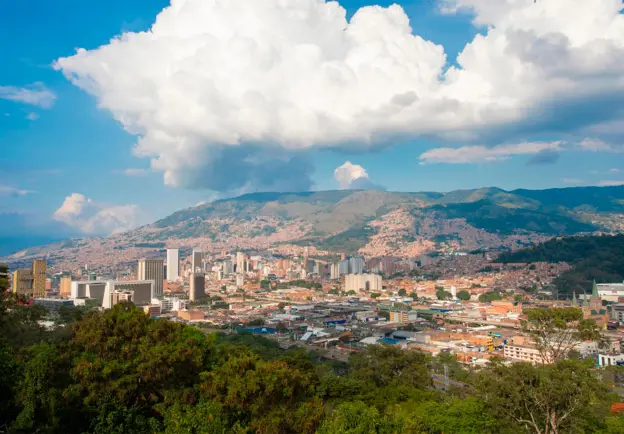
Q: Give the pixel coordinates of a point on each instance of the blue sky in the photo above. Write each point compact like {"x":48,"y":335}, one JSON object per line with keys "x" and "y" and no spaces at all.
{"x":70,"y":145}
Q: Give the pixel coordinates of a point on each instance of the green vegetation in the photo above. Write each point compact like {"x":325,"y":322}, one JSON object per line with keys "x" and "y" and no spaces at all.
{"x":489,"y":297}
{"x":4,"y":277}
{"x":441,"y":294}
{"x":122,"y":372}
{"x":592,"y":257}
{"x":349,"y":241}
{"x":299,"y":284}
{"x":463,"y":295}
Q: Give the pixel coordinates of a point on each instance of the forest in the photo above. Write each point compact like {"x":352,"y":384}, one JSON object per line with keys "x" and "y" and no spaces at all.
{"x":599,"y":258}
{"x":121,"y":371}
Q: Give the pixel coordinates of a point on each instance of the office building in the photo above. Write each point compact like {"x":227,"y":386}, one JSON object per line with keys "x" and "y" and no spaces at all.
{"x":91,"y":289}
{"x":241,"y":261}
{"x":363,"y":282}
{"x":39,"y":269}
{"x":334,"y":271}
{"x":65,"y":286}
{"x":120,"y":297}
{"x":22,"y":281}
{"x":617,"y":312}
{"x":197,"y":284}
{"x":173,"y":264}
{"x":196,"y":261}
{"x":141,"y":292}
{"x":152,"y":269}
{"x":228,"y":267}
{"x":54,"y":304}
{"x":343,"y":267}
{"x":403,"y":317}
{"x":240,"y":281}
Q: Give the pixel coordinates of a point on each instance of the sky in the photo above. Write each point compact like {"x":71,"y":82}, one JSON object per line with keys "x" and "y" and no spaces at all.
{"x":114,"y":114}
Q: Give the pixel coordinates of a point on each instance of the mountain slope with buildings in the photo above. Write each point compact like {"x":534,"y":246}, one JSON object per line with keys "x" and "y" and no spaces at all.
{"x":373,"y":223}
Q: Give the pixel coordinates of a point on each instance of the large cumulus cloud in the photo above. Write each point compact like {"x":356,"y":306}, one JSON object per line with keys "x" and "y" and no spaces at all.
{"x":251,"y":84}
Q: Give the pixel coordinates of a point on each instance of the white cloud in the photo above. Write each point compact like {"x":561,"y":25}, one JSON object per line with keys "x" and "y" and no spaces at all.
{"x":290,"y":75}
{"x":348,"y":173}
{"x":483,"y":154}
{"x":595,"y":145}
{"x":13,"y":191}
{"x":573,"y":181}
{"x":32,"y":116}
{"x":616,"y":170}
{"x":95,"y":218}
{"x":36,"y":94}
{"x":132,"y":172}
{"x":610,"y":183}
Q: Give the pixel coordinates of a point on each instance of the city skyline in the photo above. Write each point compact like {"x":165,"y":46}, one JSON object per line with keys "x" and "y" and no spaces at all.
{"x":73,"y":170}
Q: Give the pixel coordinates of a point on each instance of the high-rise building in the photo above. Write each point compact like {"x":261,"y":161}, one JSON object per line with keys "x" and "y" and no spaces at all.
{"x":39,"y":269}
{"x":173,"y":264}
{"x":240,"y":262}
{"x":22,"y":281}
{"x":196,"y":261}
{"x":197,"y":284}
{"x":356,"y":265}
{"x":240,"y":281}
{"x":334,"y":271}
{"x":363,"y":282}
{"x":65,"y":286}
{"x":152,"y":269}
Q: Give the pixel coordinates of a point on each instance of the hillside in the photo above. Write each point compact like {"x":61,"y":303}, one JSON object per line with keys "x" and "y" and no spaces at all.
{"x":599,"y":258}
{"x":373,"y":223}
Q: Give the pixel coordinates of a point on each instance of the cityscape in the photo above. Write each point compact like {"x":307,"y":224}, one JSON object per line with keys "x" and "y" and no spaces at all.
{"x":312,"y":217}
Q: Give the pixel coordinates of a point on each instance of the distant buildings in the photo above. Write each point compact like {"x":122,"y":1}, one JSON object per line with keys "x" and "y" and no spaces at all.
{"x":108,"y":293}
{"x":197,"y":284}
{"x":610,"y":291}
{"x":363,"y":282}
{"x":31,"y":281}
{"x":196,"y":261}
{"x":65,"y":286}
{"x":403,"y":317}
{"x":173,"y":264}
{"x":153,"y":269}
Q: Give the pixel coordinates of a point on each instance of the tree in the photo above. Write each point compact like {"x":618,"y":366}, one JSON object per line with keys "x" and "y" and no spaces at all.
{"x":463,"y":295}
{"x":562,"y":397}
{"x":402,"y":292}
{"x":441,"y":294}
{"x":353,"y":418}
{"x":413,"y":296}
{"x":558,"y":331}
{"x":374,"y":295}
{"x":4,"y":277}
{"x":489,"y":297}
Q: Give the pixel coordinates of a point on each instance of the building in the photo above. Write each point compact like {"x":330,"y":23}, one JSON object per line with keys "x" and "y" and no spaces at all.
{"x":173,"y":264}
{"x":191,"y":315}
{"x":617,"y":312}
{"x":363,"y":282}
{"x":93,"y":289}
{"x":524,"y":353}
{"x":228,"y":267}
{"x":334,"y":271}
{"x":65,"y":286}
{"x":610,"y":360}
{"x":356,"y":265}
{"x":22,"y":281}
{"x":39,"y":269}
{"x":403,"y":317}
{"x":240,"y":281}
{"x":140,"y":292}
{"x":196,"y":261}
{"x":152,"y":310}
{"x":197,"y":284}
{"x":240,"y":262}
{"x":152,"y":269}
{"x":608,"y":291}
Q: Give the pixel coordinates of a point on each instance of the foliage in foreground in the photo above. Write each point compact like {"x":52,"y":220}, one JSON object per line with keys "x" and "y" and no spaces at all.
{"x":122,"y":372}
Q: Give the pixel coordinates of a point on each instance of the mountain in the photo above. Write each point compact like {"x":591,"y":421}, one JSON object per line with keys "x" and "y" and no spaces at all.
{"x":373,"y":223}
{"x":593,"y":258}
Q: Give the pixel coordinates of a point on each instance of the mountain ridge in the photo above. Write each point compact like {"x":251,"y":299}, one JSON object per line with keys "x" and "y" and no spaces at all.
{"x":369,"y":222}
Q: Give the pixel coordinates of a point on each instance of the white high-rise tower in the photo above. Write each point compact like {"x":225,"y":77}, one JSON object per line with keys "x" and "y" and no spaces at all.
{"x":173,"y":264}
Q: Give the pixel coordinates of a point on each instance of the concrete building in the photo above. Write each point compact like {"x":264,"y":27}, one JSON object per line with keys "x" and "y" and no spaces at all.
{"x":119,"y":297}
{"x":334,"y":271}
{"x":356,"y":265}
{"x":610,"y":291}
{"x":152,"y":269}
{"x":39,"y":269}
{"x":363,"y":282}
{"x":65,"y":286}
{"x":241,"y":262}
{"x":93,"y":289}
{"x":197,"y":284}
{"x":610,"y":360}
{"x":152,"y":310}
{"x":173,"y":264}
{"x":617,"y":312}
{"x":524,"y":353}
{"x":403,"y":317}
{"x":196,"y":261}
{"x":22,"y":281}
{"x":240,"y":281}
{"x":140,"y":292}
